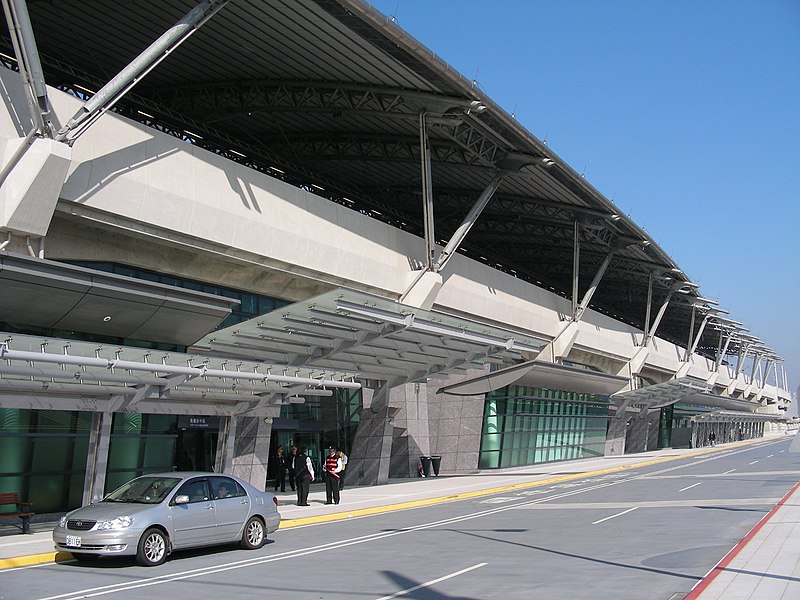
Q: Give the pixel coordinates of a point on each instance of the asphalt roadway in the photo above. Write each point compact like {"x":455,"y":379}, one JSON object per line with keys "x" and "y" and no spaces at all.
{"x":641,"y":527}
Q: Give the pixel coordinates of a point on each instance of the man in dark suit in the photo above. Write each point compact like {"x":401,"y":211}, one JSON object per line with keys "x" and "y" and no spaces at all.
{"x":304,"y":475}
{"x":279,"y":469}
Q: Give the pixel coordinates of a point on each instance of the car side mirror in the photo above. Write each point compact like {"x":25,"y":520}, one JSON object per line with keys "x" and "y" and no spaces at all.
{"x":181,"y":499}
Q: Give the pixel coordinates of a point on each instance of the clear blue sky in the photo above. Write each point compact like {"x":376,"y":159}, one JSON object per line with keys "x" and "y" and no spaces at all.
{"x":686,"y":114}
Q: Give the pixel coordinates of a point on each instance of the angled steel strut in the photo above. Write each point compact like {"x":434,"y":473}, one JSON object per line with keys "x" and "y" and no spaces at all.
{"x":115,"y":89}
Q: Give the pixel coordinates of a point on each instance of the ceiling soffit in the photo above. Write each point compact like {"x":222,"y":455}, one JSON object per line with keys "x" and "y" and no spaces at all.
{"x":78,"y":299}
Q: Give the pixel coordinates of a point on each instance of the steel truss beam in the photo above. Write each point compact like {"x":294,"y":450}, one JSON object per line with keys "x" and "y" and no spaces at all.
{"x":364,"y":148}
{"x":480,"y":145}
{"x":248,"y":96}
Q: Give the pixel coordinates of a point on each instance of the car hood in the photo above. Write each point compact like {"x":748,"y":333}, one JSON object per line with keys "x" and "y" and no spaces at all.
{"x":111,"y":510}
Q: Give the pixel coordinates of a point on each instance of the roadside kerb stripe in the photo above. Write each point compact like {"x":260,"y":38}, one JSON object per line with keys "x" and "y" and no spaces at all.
{"x":728,"y":558}
{"x":288,"y":523}
{"x":31,"y":559}
{"x":35,"y":559}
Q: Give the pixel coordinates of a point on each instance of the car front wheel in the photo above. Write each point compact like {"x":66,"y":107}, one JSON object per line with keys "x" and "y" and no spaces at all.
{"x":152,"y":550}
{"x":254,"y":535}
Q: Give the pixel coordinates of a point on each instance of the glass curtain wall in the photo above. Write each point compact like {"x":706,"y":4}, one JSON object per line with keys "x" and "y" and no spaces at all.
{"x":43,"y":456}
{"x":525,"y":426}
{"x":140,"y":444}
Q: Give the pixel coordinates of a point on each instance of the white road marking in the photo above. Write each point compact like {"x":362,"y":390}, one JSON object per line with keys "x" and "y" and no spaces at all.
{"x":754,"y":462}
{"x":498,"y":500}
{"x":110,"y":589}
{"x":691,"y":486}
{"x":686,"y":503}
{"x":731,"y":471}
{"x":770,"y":456}
{"x":616,"y":515}
{"x":432,"y":582}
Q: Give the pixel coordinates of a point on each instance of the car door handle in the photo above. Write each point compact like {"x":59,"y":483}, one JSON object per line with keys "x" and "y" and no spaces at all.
{"x":244,"y":502}
{"x":209,"y":507}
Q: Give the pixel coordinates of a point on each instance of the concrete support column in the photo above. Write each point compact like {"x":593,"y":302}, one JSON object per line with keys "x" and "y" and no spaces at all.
{"x":697,"y":435}
{"x":456,"y":426}
{"x":637,"y":433}
{"x":368,"y":463}
{"x":615,"y":438}
{"x":653,"y":425}
{"x":94,"y":482}
{"x":225,"y":445}
{"x":251,"y":448}
{"x":410,"y":431}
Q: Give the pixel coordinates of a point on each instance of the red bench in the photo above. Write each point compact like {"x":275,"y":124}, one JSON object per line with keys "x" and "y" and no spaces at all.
{"x":22,"y":510}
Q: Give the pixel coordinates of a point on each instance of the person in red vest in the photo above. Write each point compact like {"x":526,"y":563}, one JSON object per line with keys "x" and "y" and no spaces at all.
{"x":332,"y":468}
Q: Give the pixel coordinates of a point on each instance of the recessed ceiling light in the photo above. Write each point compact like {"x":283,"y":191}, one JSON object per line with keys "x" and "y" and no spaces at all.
{"x":107,"y":318}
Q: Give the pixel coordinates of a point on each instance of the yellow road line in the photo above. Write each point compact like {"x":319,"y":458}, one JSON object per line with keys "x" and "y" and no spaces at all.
{"x":35,"y":559}
{"x":26,"y":561}
{"x":289,"y":523}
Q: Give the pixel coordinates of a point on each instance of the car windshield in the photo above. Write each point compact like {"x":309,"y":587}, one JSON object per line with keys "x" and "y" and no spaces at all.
{"x":144,"y":490}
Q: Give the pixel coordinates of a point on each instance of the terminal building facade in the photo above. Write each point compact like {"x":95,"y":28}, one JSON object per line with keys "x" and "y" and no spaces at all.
{"x":228,"y":226}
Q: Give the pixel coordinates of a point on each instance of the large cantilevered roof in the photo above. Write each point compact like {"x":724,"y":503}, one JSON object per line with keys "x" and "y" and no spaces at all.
{"x":327,"y":94}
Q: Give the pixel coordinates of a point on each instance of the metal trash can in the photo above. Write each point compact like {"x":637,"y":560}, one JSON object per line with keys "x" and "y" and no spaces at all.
{"x":426,"y":465}
{"x":436,"y":461}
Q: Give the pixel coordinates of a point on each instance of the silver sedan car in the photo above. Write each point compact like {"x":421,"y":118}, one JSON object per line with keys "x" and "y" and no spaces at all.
{"x":152,"y":515}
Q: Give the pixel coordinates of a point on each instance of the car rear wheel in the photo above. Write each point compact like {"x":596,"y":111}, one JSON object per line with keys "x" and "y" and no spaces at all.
{"x":152,"y":549}
{"x":82,"y":557}
{"x":254,"y":534}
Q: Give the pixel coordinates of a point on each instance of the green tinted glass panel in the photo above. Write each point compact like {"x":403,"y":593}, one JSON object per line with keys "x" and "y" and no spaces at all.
{"x":14,"y":420}
{"x":117,"y":478}
{"x":124,"y":453}
{"x":159,"y":454}
{"x":52,"y":454}
{"x":14,"y":453}
{"x":159,"y":424}
{"x":523,"y":426}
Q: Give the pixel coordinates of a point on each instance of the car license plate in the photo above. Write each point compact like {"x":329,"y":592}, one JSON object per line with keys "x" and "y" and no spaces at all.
{"x":74,"y":541}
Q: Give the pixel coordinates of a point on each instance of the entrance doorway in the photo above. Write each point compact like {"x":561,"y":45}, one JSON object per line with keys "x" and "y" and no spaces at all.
{"x":196,"y":447}
{"x":287,"y":439}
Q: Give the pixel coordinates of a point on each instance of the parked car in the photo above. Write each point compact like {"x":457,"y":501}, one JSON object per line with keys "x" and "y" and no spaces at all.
{"x":153,"y":515}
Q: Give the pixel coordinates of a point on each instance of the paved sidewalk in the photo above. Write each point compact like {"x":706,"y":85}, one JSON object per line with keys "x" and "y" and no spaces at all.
{"x":764,"y":566}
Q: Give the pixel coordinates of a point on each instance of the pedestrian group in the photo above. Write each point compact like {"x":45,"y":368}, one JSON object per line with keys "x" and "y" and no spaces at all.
{"x":298,"y":468}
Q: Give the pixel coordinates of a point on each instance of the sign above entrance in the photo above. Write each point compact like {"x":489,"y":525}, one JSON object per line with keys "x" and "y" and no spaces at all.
{"x":198,"y":422}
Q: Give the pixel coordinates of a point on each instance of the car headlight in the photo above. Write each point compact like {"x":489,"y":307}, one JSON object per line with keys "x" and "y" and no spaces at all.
{"x":118,"y":523}
{"x":62,"y":521}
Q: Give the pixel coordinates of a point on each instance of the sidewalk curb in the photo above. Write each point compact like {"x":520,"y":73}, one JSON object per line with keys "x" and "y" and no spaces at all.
{"x":701,"y":585}
{"x":31,"y":559}
{"x":49,"y":557}
{"x":289,"y":523}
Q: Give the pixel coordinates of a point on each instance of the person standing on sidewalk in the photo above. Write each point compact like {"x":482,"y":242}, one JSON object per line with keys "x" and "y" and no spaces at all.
{"x":343,"y":458}
{"x":290,"y":469}
{"x":304,"y":475}
{"x":332,"y":468}
{"x":279,"y":468}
